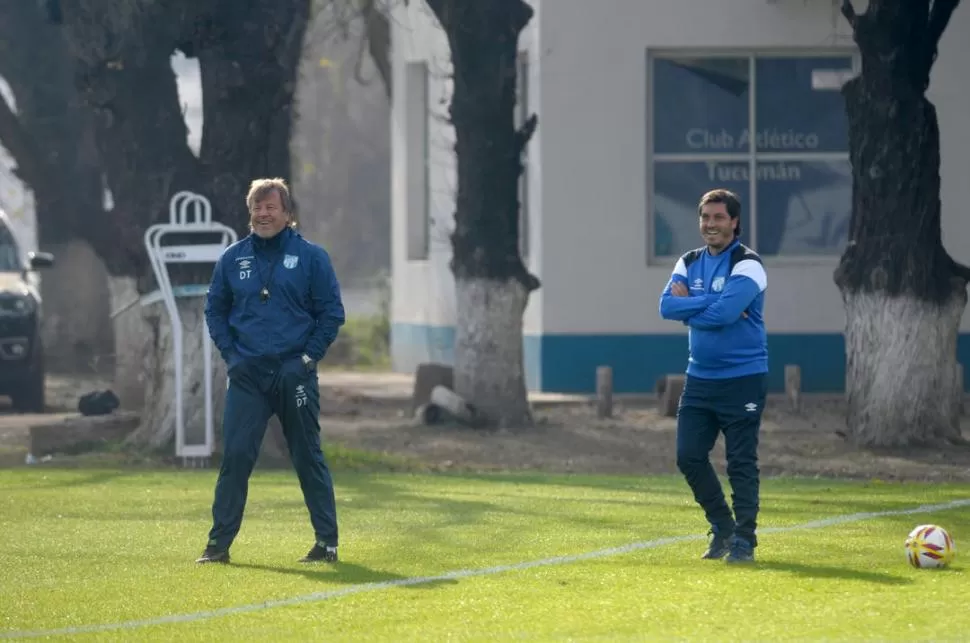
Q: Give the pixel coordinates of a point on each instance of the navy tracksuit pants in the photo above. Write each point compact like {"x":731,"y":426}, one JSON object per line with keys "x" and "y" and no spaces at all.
{"x":732,"y":407}
{"x":259,"y":388}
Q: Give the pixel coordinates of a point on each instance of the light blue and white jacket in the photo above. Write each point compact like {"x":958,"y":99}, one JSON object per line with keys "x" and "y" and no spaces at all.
{"x":725,"y":311}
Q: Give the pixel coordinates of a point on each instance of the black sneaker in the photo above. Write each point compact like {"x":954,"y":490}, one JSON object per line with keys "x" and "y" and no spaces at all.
{"x":741,"y":551}
{"x":213,"y":554}
{"x":325,"y":553}
{"x":719,"y":545}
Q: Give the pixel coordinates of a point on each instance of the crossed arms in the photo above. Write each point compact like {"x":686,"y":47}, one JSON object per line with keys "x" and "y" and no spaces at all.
{"x":716,"y":310}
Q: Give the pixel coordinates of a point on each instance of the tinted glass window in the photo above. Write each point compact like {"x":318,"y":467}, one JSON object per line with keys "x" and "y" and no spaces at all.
{"x":700,"y":105}
{"x":10,"y":260}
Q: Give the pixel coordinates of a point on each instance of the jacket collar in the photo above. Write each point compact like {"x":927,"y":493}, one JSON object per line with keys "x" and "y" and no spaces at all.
{"x":727,"y":250}
{"x":273,"y":244}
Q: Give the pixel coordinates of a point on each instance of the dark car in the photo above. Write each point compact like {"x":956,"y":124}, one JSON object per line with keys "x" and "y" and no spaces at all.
{"x":21,"y":352}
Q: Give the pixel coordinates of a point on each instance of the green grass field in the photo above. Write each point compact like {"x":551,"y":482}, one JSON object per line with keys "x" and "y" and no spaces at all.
{"x":108,"y":555}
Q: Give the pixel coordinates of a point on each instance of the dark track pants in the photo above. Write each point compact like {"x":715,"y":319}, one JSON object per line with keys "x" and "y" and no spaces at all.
{"x":733,"y":407}
{"x":257,"y":390}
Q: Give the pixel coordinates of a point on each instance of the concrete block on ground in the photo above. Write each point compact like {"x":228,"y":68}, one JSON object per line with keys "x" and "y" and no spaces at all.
{"x":672,"y":388}
{"x":793,"y":387}
{"x":604,"y":392}
{"x":426,"y":378}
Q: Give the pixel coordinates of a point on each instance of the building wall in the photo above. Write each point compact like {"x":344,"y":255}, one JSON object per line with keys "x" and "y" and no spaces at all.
{"x":601,"y":279}
{"x":615,"y":319}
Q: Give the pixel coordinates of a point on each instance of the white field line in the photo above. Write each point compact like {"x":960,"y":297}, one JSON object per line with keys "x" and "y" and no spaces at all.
{"x":463,"y":573}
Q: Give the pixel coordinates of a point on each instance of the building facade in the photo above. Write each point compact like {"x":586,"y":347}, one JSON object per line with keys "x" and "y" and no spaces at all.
{"x":642,"y":107}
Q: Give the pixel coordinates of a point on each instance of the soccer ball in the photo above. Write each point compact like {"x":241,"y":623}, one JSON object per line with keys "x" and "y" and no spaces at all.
{"x":930,"y":546}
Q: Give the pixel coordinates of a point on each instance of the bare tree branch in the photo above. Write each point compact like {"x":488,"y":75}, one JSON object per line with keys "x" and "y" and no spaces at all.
{"x":441,"y":10}
{"x":379,"y":46}
{"x":960,"y":270}
{"x":338,"y":17}
{"x":377,"y":38}
{"x":849,"y":13}
{"x":522,"y":14}
{"x":939,"y":19}
{"x":524,"y":134}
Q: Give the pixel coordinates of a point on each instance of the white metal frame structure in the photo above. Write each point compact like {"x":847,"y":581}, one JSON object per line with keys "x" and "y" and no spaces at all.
{"x":189,"y":213}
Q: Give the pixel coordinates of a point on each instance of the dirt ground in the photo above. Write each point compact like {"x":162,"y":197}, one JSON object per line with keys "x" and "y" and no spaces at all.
{"x":374,"y":415}
{"x":371,"y":412}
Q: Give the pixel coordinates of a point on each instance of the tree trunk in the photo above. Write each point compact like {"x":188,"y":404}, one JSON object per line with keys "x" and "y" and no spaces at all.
{"x":248,"y":56}
{"x":142,"y":139}
{"x":492,"y":282}
{"x":77,"y":328}
{"x":142,"y":135}
{"x":901,"y":381}
{"x":158,"y":421}
{"x":132,"y":341}
{"x":49,"y":138}
{"x":124,"y":74}
{"x":488,"y":349}
{"x":145,"y":375}
{"x":904,"y":295}
{"x":248,"y":67}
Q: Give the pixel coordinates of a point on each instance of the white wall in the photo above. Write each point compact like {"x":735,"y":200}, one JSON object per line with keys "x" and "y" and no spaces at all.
{"x":423,"y":291}
{"x":594,"y":151}
{"x":950,"y":93}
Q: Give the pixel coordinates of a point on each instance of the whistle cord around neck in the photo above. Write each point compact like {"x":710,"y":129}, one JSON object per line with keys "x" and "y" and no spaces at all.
{"x":264,"y":291}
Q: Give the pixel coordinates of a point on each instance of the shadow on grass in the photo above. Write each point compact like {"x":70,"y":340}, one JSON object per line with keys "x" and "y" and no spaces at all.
{"x":94,"y":478}
{"x":448,"y":507}
{"x":835,"y":573}
{"x":348,"y":573}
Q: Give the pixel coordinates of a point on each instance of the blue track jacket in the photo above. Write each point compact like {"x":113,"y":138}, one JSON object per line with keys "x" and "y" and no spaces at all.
{"x":723,"y":343}
{"x":303,"y":313}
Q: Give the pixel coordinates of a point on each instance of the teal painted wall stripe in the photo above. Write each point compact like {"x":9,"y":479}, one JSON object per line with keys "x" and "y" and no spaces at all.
{"x":567,"y":363}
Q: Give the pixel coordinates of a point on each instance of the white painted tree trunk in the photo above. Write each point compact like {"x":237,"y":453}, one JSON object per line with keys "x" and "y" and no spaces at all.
{"x":157,"y":427}
{"x":77,"y":331}
{"x":901,"y":381}
{"x":145,"y":381}
{"x":488,"y":368}
{"x":131,"y":343}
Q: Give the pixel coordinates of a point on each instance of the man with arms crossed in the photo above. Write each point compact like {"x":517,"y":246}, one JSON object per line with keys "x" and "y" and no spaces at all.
{"x":273,"y":309}
{"x":718,"y":291}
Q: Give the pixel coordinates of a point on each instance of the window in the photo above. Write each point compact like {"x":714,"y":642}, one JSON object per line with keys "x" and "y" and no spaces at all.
{"x":416,"y":167}
{"x":771,"y":128}
{"x":521,"y":115}
{"x":10,"y":260}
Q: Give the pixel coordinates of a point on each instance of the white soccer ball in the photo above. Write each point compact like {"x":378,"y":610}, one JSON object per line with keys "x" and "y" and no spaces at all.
{"x":930,"y":546}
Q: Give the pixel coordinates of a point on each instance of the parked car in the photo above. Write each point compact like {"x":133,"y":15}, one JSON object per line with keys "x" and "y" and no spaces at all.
{"x":22,"y":371}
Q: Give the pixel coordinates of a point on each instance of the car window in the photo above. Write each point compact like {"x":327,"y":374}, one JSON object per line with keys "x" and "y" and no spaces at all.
{"x":9,"y":252}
